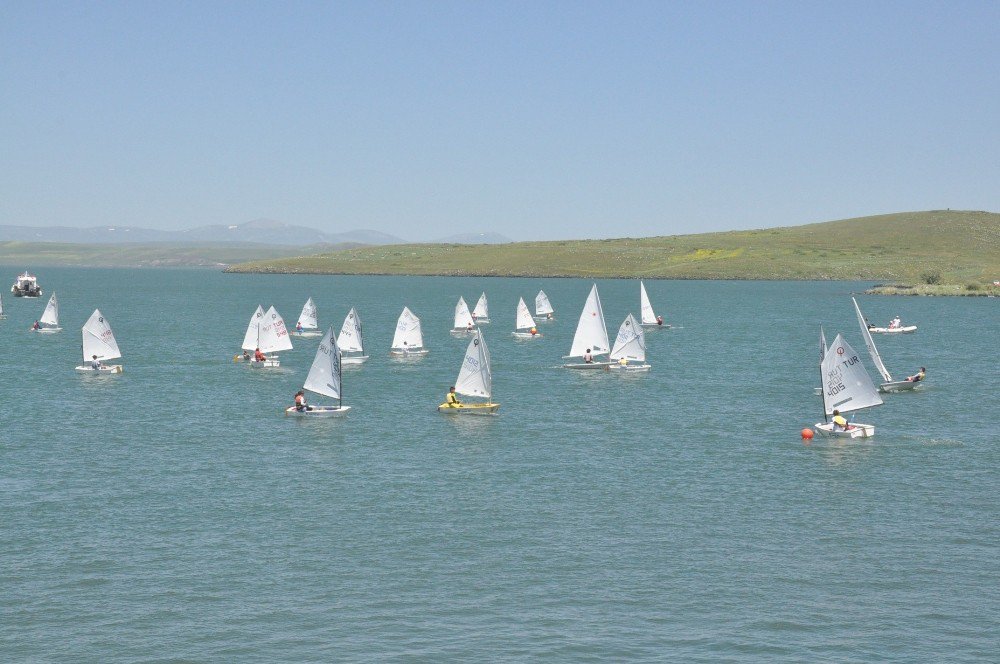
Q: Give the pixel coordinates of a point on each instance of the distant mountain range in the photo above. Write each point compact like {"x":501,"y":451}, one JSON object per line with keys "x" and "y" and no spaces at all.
{"x":259,"y":231}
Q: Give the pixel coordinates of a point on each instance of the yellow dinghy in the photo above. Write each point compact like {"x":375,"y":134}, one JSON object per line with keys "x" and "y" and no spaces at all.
{"x":474,"y":380}
{"x":469,"y":408}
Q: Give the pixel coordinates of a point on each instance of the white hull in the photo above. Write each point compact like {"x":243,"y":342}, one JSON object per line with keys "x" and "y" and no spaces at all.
{"x":269,"y":363}
{"x":899,"y":386}
{"x":481,"y":321}
{"x":526,"y":335}
{"x":307,"y":333}
{"x":399,"y":352}
{"x":655,"y":326}
{"x":48,"y":330}
{"x":629,"y":368}
{"x":893,"y":330}
{"x":103,"y":371}
{"x":462,"y":331}
{"x":353,"y":359}
{"x":825,"y":429}
{"x":588,"y":365}
{"x":318,"y":411}
{"x":543,"y":319}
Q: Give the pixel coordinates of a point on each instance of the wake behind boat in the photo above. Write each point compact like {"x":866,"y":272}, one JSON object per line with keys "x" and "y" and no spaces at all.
{"x":474,"y":380}
{"x":325,"y":378}
{"x":846,"y":388}
{"x":99,"y":344}
{"x":591,"y":338}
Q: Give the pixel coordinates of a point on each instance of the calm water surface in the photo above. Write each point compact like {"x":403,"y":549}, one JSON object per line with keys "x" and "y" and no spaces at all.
{"x":173,"y":514}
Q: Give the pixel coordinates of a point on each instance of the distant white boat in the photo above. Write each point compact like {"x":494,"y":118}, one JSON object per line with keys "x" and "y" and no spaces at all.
{"x":591,"y":338}
{"x":308,"y":323}
{"x":272,"y":337}
{"x":649,"y":318}
{"x":481,"y":314}
{"x":351,"y":340}
{"x":26,"y":285}
{"x":325,"y":377}
{"x":629,"y":352}
{"x":464,"y":323}
{"x":2,"y":314}
{"x":99,"y":344}
{"x":889,"y":385}
{"x":895,"y":327}
{"x":49,"y":322}
{"x":250,"y":337}
{"x":408,"y":339}
{"x":847,"y":387}
{"x":524,"y":327}
{"x":474,"y":380}
{"x":543,"y":308}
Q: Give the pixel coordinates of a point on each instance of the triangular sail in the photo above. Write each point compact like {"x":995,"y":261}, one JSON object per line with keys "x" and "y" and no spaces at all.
{"x":542,"y":305}
{"x":482,"y":309}
{"x":325,"y":373}
{"x":846,"y":383}
{"x":524,"y":320}
{"x":408,"y":334}
{"x":50,"y":317}
{"x":822,"y":344}
{"x":463,"y":319}
{"x":631,"y":341}
{"x":250,"y":338}
{"x":271,"y":333}
{"x":350,"y":339}
{"x":870,"y":343}
{"x":591,"y":331}
{"x":474,"y":378}
{"x":648,"y":317}
{"x":98,"y":339}
{"x":308,"y":317}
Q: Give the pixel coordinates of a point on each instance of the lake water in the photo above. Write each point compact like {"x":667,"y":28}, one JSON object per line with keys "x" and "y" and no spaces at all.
{"x":174,"y":514}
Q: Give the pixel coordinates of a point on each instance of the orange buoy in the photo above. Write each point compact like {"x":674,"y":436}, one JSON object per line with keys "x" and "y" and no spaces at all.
{"x":807,"y":434}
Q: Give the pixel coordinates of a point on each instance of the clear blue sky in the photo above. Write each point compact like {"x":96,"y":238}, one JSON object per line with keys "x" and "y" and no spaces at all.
{"x":539,"y":120}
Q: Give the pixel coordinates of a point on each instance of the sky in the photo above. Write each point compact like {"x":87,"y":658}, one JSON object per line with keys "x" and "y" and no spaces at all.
{"x":537,"y":120}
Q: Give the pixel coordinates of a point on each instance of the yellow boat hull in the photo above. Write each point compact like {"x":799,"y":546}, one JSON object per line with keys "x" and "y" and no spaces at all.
{"x":469,"y":408}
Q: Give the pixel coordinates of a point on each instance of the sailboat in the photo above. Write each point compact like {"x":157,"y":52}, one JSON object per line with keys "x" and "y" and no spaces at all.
{"x":351,"y":340}
{"x":464,"y":323}
{"x":524,"y":328}
{"x":49,"y":322}
{"x":308,"y":324}
{"x":250,"y":337}
{"x":408,"y":339}
{"x":99,"y":345}
{"x":481,"y":314}
{"x":543,"y":308}
{"x":591,"y":334}
{"x":847,"y":387}
{"x":325,"y":378}
{"x":630,"y":346}
{"x":889,"y":385}
{"x":474,"y":380}
{"x":649,"y":318}
{"x":271,"y":338}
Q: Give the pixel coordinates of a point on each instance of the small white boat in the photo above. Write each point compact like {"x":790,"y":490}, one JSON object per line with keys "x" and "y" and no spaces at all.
{"x":408,"y":340}
{"x":889,"y":385}
{"x":464,"y":323}
{"x":895,"y":327}
{"x":847,"y":387}
{"x":474,"y":380}
{"x":272,"y":337}
{"x":325,"y":377}
{"x":2,"y":314}
{"x":629,"y":352}
{"x":351,"y":340}
{"x":524,"y":328}
{"x":481,"y":314}
{"x":99,"y":344}
{"x":250,"y":336}
{"x":308,"y":324}
{"x":591,"y":338}
{"x":49,"y":322}
{"x":649,"y":317}
{"x":543,"y":308}
{"x":26,"y":285}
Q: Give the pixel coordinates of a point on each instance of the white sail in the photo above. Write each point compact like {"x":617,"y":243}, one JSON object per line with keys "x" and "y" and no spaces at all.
{"x":482,"y":310}
{"x":463,"y":319}
{"x":846,"y":383}
{"x":870,"y":343}
{"x":250,"y":338}
{"x":822,"y":344}
{"x":98,"y":339}
{"x":631,"y":341}
{"x":350,"y":339}
{"x":1,"y":304}
{"x":647,"y":314}
{"x":325,"y":373}
{"x":408,"y":334}
{"x":271,"y":333}
{"x":50,"y":317}
{"x":308,"y":318}
{"x":474,"y":378}
{"x":524,"y":320}
{"x":590,"y":331}
{"x":542,"y":305}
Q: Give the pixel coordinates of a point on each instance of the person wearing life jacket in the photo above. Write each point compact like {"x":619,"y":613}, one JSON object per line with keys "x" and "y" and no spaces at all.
{"x":452,"y":398}
{"x":259,"y":356}
{"x":917,"y":377}
{"x":300,"y":401}
{"x":839,"y":423}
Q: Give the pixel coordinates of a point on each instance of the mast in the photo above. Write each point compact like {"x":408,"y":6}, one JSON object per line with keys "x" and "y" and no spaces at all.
{"x":822,"y":387}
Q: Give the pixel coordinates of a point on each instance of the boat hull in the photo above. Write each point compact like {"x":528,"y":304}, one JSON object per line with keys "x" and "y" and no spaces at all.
{"x":269,"y":363}
{"x":629,"y":368}
{"x":353,"y":359}
{"x":899,"y":386}
{"x":825,"y":429}
{"x":469,"y":408}
{"x":588,"y":366}
{"x":655,"y":326}
{"x":307,"y":333}
{"x":318,"y":411}
{"x":484,"y":320}
{"x":103,"y":371}
{"x":526,"y":335}
{"x":47,"y":330}
{"x":397,"y":352}
{"x":543,"y":319}
{"x":893,"y":330}
{"x":462,"y":331}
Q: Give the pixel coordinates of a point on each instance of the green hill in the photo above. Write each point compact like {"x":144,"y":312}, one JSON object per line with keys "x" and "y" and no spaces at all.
{"x":958,"y":246}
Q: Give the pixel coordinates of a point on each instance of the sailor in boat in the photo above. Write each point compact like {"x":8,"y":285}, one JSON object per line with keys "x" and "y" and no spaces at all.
{"x":623,"y":362}
{"x":468,"y":326}
{"x":917,"y":377}
{"x":452,"y":399}
{"x":894,"y":323}
{"x":36,"y":326}
{"x":300,"y":401}
{"x":95,"y":363}
{"x":246,"y":355}
{"x":259,"y":356}
{"x":548,"y":316}
{"x":298,"y":326}
{"x":588,"y":357}
{"x":659,"y":320}
{"x":839,"y":423}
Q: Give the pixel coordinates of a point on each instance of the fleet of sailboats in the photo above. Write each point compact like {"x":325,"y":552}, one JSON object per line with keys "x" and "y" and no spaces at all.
{"x":99,"y":345}
{"x":474,"y":380}
{"x":408,"y":339}
{"x":591,"y":338}
{"x":325,"y":378}
{"x":524,"y":325}
{"x":308,"y":323}
{"x":351,"y":340}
